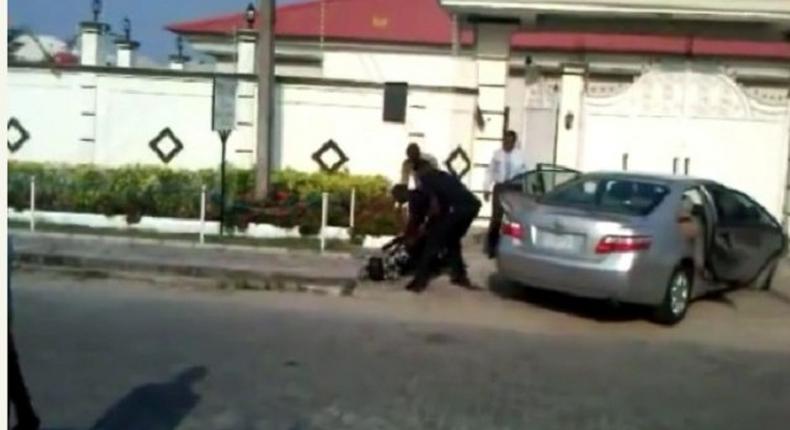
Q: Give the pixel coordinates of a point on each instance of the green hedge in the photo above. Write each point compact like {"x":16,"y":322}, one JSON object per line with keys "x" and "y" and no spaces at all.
{"x":134,"y":191}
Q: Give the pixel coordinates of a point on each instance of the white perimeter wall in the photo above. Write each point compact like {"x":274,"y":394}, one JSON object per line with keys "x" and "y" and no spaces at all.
{"x":110,"y":118}
{"x":352,"y":117}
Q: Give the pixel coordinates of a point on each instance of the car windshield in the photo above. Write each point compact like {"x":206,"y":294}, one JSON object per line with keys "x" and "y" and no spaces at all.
{"x":626,"y":196}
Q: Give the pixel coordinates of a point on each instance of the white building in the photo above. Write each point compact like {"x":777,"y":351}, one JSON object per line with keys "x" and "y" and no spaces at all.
{"x":38,"y":48}
{"x":593,"y":87}
{"x":669,"y":86}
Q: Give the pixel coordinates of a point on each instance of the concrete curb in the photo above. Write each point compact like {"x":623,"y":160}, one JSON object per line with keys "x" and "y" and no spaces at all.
{"x":180,"y":244}
{"x":225,"y":277}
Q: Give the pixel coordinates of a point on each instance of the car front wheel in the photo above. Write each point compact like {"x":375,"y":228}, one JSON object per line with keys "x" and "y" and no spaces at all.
{"x":676,"y":298}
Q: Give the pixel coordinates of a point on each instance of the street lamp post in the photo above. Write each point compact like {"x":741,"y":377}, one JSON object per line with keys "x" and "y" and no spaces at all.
{"x":180,"y":46}
{"x":249,"y":15}
{"x":96,"y":8}
{"x":127,"y":29}
{"x":265,"y":63}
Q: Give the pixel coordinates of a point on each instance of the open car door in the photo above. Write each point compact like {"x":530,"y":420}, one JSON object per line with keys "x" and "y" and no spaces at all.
{"x":745,"y":237}
{"x":539,"y":181}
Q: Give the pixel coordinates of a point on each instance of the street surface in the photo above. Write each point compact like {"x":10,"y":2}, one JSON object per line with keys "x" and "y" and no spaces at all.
{"x":106,"y":353}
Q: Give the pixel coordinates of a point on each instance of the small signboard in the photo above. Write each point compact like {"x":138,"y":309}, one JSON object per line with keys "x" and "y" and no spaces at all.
{"x":224,"y":105}
{"x":223,"y":121}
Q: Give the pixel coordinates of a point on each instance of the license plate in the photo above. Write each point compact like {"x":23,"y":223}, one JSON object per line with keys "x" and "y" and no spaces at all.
{"x":559,"y":242}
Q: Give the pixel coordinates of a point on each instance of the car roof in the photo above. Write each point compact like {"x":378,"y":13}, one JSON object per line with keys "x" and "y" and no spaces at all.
{"x":653,"y":177}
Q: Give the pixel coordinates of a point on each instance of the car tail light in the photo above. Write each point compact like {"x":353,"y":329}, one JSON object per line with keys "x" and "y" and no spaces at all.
{"x":615,"y":244}
{"x":512,"y":229}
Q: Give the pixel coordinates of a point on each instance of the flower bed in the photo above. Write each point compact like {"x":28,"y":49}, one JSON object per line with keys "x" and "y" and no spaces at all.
{"x":137,"y":191}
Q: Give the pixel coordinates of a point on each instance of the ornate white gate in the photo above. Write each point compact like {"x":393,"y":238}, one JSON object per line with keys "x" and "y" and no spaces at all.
{"x":695,"y":120}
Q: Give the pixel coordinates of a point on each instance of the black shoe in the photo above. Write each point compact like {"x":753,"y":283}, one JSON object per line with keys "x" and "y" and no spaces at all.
{"x":417,"y":286}
{"x":463,"y":282}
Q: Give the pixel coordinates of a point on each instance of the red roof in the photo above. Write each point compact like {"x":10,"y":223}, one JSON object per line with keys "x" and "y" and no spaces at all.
{"x":64,"y":58}
{"x":424,"y":22}
{"x":649,"y":44}
{"x":382,"y":21}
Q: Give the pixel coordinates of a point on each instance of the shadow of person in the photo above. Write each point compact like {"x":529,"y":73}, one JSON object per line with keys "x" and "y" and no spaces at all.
{"x":155,"y":406}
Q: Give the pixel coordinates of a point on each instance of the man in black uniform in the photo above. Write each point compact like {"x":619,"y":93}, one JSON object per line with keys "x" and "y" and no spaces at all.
{"x":422,"y":214}
{"x":457,"y":208}
{"x":420,"y":211}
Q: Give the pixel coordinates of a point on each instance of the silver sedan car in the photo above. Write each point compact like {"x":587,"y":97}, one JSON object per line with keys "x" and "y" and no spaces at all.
{"x":652,"y":240}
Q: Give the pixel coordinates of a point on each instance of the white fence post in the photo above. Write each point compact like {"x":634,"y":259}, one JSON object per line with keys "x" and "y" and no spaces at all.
{"x":351,"y":210}
{"x":202,"y":214}
{"x":32,"y":203}
{"x":324,"y":210}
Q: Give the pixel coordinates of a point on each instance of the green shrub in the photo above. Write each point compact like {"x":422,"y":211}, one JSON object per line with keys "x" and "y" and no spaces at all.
{"x":136,"y":191}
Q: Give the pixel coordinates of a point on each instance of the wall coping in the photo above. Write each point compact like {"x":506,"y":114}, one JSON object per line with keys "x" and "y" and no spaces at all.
{"x":169,"y":73}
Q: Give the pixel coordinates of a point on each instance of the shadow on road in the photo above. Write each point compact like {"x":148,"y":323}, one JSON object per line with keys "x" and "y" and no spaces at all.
{"x":157,"y":406}
{"x":721,"y":298}
{"x":598,"y":310}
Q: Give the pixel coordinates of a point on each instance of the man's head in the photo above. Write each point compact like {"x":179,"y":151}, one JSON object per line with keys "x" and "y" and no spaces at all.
{"x":413,"y":152}
{"x":509,"y":142}
{"x":400,"y":193}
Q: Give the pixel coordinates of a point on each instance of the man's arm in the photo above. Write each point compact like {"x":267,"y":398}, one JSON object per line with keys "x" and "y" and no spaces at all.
{"x":418,"y":212}
{"x":405,"y":172}
{"x":488,"y":183}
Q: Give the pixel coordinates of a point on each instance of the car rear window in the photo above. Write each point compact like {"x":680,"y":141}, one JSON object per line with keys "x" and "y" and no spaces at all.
{"x":624,"y":196}
{"x":540,"y":181}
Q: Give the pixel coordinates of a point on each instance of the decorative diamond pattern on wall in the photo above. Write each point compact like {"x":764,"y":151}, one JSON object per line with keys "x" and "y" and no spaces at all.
{"x":17,"y":135}
{"x":458,"y":163}
{"x":323,"y":152}
{"x":166,"y":145}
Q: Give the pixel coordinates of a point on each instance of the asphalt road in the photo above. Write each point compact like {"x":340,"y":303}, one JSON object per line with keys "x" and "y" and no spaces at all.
{"x":102,"y":353}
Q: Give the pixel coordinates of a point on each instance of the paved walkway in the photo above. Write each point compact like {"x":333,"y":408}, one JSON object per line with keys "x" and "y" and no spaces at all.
{"x":254,"y":267}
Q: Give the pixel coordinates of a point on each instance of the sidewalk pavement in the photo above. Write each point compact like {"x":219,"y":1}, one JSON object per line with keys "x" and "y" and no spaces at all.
{"x":245,"y":267}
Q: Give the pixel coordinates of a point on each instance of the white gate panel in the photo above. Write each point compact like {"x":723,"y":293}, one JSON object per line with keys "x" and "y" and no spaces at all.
{"x":673,"y":119}
{"x":539,"y":135}
{"x":743,"y":155}
{"x":606,"y":140}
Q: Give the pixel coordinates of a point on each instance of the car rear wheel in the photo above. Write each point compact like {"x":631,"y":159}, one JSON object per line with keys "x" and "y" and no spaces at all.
{"x":676,"y":298}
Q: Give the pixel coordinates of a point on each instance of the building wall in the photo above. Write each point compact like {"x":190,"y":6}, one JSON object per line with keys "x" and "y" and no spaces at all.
{"x":416,"y":69}
{"x":352,"y":117}
{"x":110,"y":118}
{"x":45,"y":104}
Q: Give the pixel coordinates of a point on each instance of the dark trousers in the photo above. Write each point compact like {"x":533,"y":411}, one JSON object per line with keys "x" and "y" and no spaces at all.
{"x":495,"y":223}
{"x":17,"y":391}
{"x":446,"y":233}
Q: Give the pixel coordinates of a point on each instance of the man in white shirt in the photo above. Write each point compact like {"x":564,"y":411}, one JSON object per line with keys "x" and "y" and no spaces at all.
{"x":506,"y":163}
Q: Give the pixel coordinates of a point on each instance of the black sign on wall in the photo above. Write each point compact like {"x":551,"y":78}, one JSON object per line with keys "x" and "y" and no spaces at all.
{"x":395,"y":99}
